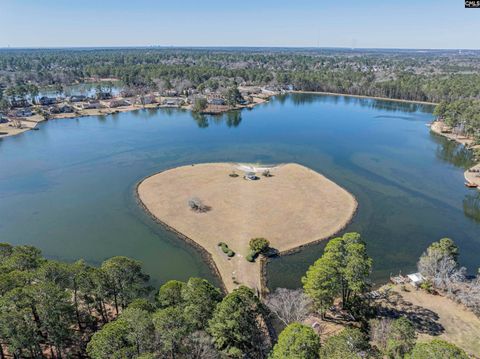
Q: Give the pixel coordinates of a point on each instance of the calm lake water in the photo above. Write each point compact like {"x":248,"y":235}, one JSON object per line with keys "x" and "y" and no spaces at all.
{"x":69,"y":188}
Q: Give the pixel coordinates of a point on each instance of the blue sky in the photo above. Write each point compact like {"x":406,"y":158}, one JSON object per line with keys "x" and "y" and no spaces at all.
{"x":294,"y":23}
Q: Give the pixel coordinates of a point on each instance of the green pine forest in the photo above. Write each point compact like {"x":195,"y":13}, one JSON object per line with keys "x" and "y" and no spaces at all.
{"x":53,"y":309}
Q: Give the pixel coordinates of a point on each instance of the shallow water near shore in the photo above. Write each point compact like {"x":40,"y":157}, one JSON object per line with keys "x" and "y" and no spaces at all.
{"x":69,"y":188}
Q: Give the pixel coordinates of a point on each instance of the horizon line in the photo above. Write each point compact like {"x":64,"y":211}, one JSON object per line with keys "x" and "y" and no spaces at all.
{"x":230,"y":47}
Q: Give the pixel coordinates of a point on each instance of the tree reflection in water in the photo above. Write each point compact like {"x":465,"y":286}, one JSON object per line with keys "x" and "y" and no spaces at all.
{"x":458,"y":155}
{"x":201,"y":120}
{"x":230,"y":118}
{"x":454,"y":153}
{"x":378,"y":104}
{"x":471,"y":206}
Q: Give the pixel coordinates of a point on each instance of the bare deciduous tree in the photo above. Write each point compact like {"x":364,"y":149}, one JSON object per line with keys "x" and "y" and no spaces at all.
{"x":183,"y":85}
{"x":16,"y":123}
{"x":197,"y":205}
{"x":199,"y":345}
{"x":442,"y":270}
{"x":448,"y":274}
{"x":469,"y":295}
{"x":427,"y":265}
{"x":439,"y":265}
{"x":379,"y":332}
{"x":289,"y":305}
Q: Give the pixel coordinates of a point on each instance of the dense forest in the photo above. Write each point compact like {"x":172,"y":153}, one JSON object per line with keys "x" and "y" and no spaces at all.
{"x":52,"y":309}
{"x":462,"y":115}
{"x":411,"y":75}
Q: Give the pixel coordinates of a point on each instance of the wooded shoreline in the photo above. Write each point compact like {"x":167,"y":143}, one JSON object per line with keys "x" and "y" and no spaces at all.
{"x":218,"y":110}
{"x":436,"y":127}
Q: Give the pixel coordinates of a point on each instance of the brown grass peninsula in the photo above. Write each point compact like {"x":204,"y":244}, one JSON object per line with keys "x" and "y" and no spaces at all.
{"x":291,"y":207}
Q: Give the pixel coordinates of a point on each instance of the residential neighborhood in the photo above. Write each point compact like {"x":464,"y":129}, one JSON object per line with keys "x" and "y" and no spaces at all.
{"x":22,"y":112}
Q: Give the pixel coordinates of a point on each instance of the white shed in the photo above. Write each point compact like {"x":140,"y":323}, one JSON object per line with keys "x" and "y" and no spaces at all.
{"x":416,"y":279}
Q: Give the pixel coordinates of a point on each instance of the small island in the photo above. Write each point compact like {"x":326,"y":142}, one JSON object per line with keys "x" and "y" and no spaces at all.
{"x":220,"y":207}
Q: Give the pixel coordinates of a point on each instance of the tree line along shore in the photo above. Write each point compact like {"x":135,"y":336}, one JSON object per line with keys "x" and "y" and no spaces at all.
{"x":445,"y":77}
{"x":444,"y":128}
{"x":53,"y":309}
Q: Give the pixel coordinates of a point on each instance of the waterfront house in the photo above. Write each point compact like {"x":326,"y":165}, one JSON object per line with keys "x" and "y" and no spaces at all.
{"x":23,"y":112}
{"x":88,"y":105}
{"x":77,"y":98}
{"x":65,"y":109}
{"x":53,"y":110}
{"x":103,"y":95}
{"x":216,"y":101}
{"x":15,"y":103}
{"x":127,"y":93}
{"x":270,"y":90}
{"x":46,"y":101}
{"x":145,"y":99}
{"x":171,"y":93}
{"x":173,"y":102}
{"x":116,"y":102}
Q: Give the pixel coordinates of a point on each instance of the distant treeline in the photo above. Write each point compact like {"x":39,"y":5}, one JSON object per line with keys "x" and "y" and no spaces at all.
{"x":405,"y":75}
{"x":462,"y":115}
{"x":433,"y":76}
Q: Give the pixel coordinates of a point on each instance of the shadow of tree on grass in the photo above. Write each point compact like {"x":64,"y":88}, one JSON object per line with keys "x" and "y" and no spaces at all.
{"x":424,"y":320}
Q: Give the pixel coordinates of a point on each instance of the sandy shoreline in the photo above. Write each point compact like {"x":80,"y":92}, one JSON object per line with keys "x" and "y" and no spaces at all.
{"x":439,"y":128}
{"x":26,"y":125}
{"x":251,"y":209}
{"x":472,"y":176}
